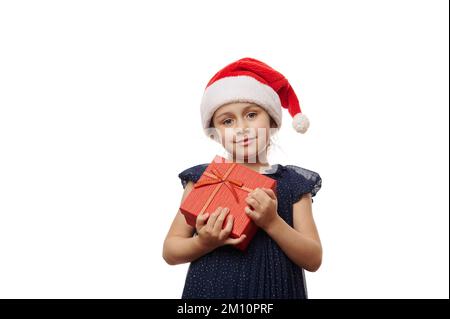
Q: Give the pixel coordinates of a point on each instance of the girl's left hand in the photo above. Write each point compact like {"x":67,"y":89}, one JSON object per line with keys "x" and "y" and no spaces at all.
{"x":265,"y":207}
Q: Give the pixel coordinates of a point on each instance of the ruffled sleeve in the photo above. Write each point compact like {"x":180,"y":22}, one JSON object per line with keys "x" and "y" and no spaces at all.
{"x":303,"y":181}
{"x":192,"y":174}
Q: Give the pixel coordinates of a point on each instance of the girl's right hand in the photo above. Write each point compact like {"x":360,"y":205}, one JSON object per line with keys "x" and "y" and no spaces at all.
{"x":210,"y":232}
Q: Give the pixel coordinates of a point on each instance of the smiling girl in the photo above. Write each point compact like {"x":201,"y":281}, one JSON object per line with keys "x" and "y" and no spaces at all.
{"x":241,"y":109}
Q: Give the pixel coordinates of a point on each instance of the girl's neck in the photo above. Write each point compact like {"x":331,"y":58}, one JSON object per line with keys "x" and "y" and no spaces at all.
{"x":258,"y":165}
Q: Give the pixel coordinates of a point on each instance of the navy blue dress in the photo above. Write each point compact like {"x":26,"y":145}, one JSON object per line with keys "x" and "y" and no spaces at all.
{"x":263,"y":270}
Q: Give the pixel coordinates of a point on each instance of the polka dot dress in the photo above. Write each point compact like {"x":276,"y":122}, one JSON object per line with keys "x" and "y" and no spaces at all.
{"x":263,"y":270}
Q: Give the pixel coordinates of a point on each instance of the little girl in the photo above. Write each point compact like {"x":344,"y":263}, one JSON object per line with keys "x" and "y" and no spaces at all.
{"x":241,"y":108}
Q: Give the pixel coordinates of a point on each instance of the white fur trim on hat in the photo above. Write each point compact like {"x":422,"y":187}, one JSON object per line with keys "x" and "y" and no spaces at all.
{"x":240,"y":88}
{"x":300,"y":122}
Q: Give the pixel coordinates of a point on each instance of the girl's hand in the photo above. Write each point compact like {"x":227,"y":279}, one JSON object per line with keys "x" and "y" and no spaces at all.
{"x":263,"y":208}
{"x":210,"y":232}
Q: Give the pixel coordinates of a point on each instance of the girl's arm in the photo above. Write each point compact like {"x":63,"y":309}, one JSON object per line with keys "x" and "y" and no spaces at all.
{"x":301,"y":243}
{"x":179,"y":246}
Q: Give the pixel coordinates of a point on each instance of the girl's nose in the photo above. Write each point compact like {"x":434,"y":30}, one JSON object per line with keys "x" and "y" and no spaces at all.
{"x":242,"y":124}
{"x":241,"y":130}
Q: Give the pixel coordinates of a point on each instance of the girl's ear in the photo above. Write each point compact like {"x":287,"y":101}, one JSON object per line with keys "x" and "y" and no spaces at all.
{"x":214,"y":137}
{"x":213,"y":133}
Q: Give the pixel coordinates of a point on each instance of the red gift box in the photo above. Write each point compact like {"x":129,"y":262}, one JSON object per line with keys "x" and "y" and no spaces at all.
{"x":226,"y":185}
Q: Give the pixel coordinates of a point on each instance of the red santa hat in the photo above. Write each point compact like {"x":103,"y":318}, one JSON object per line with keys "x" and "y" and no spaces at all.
{"x":250,"y":80}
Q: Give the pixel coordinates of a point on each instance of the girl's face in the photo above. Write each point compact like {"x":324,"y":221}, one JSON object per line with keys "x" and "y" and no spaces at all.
{"x":243,"y":130}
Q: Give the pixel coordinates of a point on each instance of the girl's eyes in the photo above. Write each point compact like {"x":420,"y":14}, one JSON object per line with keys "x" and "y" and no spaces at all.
{"x":227,"y":122}
{"x":252,"y":113}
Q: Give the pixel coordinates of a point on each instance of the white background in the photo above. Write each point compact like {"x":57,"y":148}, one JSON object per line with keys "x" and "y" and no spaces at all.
{"x":99,"y":112}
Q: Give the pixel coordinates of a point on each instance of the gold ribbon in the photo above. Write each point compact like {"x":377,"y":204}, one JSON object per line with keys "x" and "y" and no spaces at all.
{"x":219,"y":179}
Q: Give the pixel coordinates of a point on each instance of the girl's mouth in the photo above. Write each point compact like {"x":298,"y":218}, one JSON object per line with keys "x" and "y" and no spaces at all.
{"x":246,"y":141}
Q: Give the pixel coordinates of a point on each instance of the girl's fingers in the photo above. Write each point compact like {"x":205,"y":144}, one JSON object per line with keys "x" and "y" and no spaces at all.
{"x":250,"y":213}
{"x":251,"y":201}
{"x":212,"y":219}
{"x":270,"y":192}
{"x":219,"y":221}
{"x":201,"y":220}
{"x":235,"y":241}
{"x":227,"y":230}
{"x":258,"y":195}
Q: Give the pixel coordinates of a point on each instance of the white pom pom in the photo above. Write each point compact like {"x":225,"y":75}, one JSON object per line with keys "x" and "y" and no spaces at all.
{"x":300,"y":123}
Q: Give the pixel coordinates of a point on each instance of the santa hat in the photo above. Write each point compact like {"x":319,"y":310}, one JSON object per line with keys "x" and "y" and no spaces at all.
{"x":250,"y":80}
